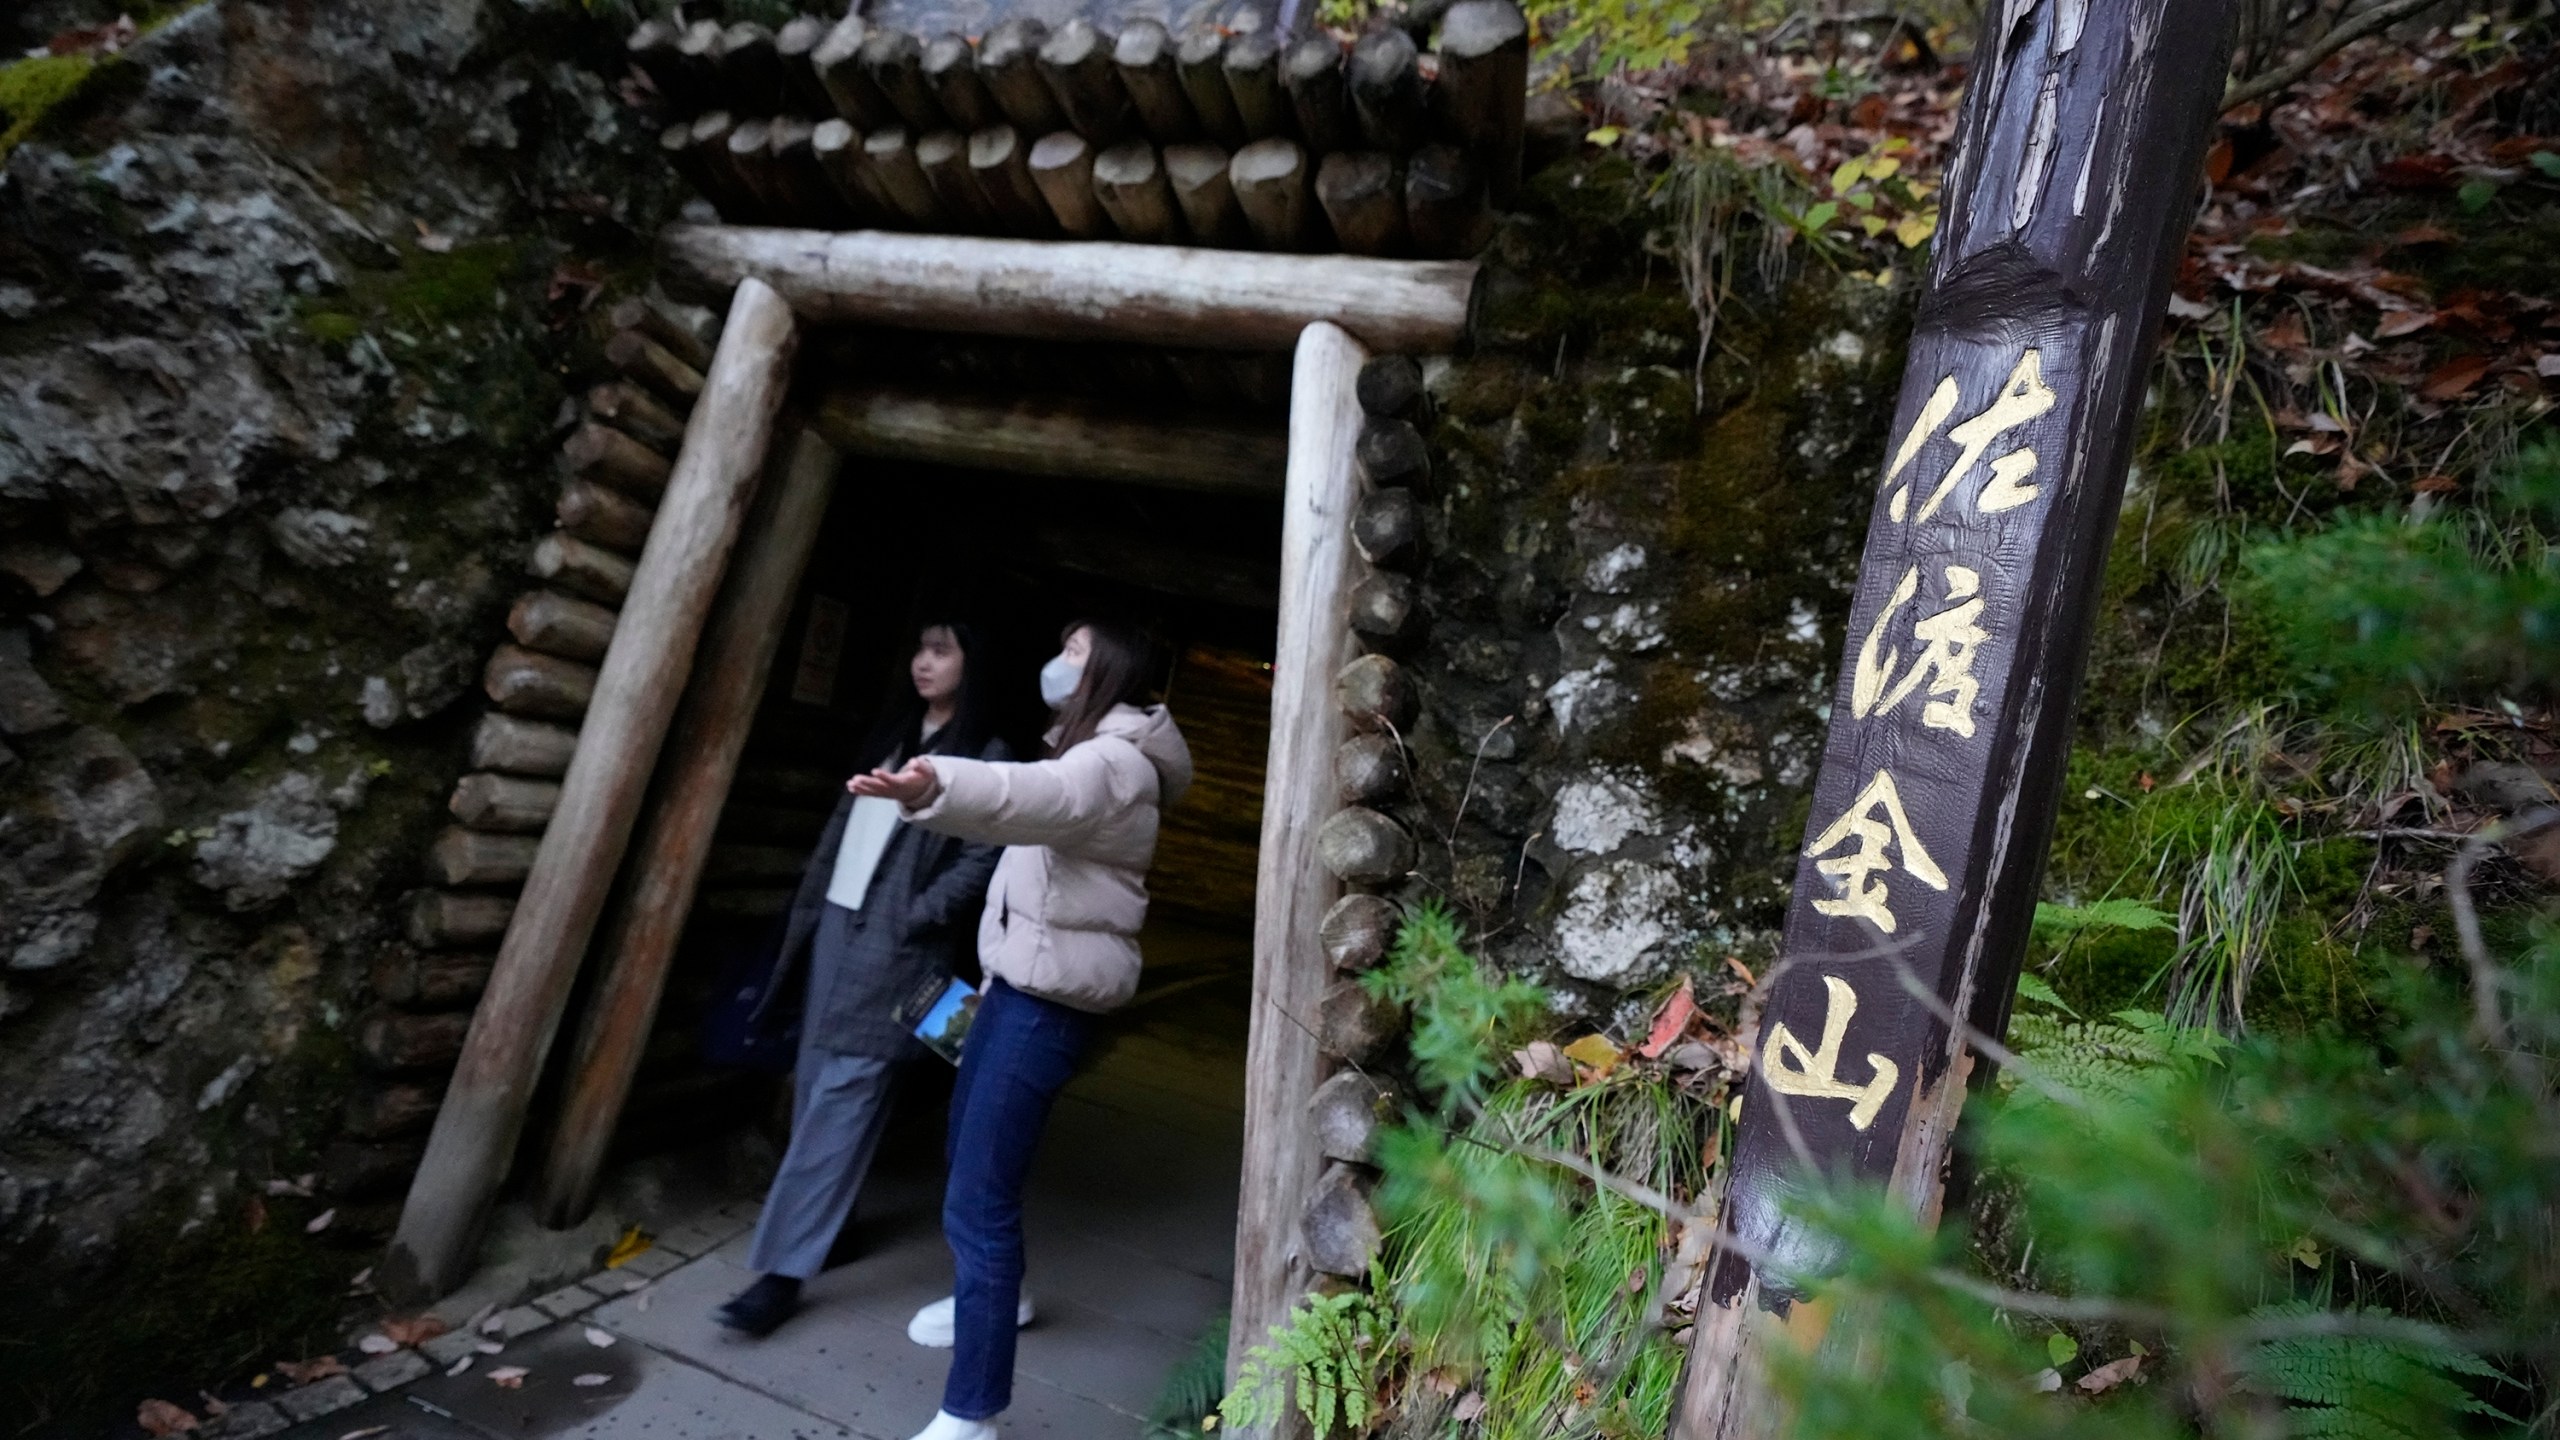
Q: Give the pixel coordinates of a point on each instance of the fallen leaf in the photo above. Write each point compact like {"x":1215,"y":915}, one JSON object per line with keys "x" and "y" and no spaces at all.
{"x":2414,"y":172}
{"x":298,"y":1186}
{"x":602,"y":1340}
{"x":2047,"y":1381}
{"x":215,"y":1407}
{"x":1541,"y":1060}
{"x":2396,"y":323}
{"x":509,"y":1377}
{"x":159,"y":1417}
{"x":591,"y":1379}
{"x":306,"y":1372}
{"x":2110,"y":1375}
{"x":2288,"y":333}
{"x":429,"y":240}
{"x":416,"y":1330}
{"x":634,"y":1243}
{"x":2426,"y":234}
{"x":2316,"y":445}
{"x":2185,"y":309}
{"x":377,"y":1344}
{"x":1595,"y":1050}
{"x":2305,"y":1252}
{"x":1671,"y":1021}
{"x":2217,"y":161}
{"x":488,"y":1347}
{"x":1469,"y":1406}
{"x":2449,"y":380}
{"x":2435,"y":485}
{"x":458,"y":1366}
{"x":2547,"y":366}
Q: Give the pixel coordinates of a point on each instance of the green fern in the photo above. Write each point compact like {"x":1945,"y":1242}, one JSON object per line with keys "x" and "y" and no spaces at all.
{"x":2132,"y":1052}
{"x":1191,"y":1392}
{"x":2357,"y":1387}
{"x":1327,"y":1354}
{"x":1464,"y":1020}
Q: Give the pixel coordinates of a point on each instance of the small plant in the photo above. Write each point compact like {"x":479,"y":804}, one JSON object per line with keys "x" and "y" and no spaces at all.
{"x":1327,"y":1357}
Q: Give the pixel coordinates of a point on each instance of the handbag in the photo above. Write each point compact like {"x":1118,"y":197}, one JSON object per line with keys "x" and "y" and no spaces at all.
{"x":734,"y":1033}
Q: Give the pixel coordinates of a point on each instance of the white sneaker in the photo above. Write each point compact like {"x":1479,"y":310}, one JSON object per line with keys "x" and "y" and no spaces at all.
{"x":932,"y":1327}
{"x":947,"y":1426}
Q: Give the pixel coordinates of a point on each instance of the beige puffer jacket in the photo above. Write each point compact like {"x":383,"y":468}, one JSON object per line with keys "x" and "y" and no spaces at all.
{"x":1079,"y":832}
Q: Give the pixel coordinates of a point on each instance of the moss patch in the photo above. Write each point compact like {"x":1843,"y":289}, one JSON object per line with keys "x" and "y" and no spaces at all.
{"x":31,"y":88}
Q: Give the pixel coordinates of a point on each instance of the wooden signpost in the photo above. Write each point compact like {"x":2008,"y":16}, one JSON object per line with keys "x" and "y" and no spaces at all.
{"x":2074,"y":179}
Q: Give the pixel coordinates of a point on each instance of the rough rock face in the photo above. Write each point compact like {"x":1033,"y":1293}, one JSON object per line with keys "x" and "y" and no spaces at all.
{"x":288,"y":297}
{"x":1637,"y":576}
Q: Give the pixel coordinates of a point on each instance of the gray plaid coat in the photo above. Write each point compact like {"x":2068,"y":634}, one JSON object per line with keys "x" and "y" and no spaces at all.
{"x":919,"y":918}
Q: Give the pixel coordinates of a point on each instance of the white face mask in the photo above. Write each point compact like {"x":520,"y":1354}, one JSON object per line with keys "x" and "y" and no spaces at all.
{"x":1059,"y":679}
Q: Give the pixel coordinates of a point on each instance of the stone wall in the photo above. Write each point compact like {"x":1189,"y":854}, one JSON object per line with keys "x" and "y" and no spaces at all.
{"x":290,"y":297}
{"x":1637,"y":575}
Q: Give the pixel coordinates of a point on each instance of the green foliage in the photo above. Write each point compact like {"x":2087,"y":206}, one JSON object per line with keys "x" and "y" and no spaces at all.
{"x":1464,"y":1021}
{"x":2364,"y":1387}
{"x":1192,"y":1391}
{"x":1327,"y":1356}
{"x":2178,"y":1202}
{"x":31,"y":87}
{"x":1609,"y":37}
{"x":2382,"y":613}
{"x":2061,"y":921}
{"x":2102,"y":1059}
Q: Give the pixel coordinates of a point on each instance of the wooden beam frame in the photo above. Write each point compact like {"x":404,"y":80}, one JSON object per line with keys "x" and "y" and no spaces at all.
{"x":1283,"y":1064}
{"x":1053,"y":438}
{"x":1329,"y":310}
{"x":710,"y":733}
{"x":474,"y":1139}
{"x":1151,"y":294}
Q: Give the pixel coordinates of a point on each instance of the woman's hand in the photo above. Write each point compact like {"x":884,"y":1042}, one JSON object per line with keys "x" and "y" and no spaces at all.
{"x":910,"y":787}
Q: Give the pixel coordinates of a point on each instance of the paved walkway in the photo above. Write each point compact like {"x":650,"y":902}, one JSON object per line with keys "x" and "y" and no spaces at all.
{"x":1131,"y":1229}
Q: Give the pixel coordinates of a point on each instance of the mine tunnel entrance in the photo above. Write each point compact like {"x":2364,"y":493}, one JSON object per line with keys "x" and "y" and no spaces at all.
{"x":1174,"y":528}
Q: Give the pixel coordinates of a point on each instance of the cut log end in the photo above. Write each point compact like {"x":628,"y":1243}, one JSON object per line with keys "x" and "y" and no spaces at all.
{"x":1357,"y":931}
{"x":1362,"y":847}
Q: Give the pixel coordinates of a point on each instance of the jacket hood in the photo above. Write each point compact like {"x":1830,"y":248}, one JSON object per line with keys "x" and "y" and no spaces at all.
{"x":1152,"y":730}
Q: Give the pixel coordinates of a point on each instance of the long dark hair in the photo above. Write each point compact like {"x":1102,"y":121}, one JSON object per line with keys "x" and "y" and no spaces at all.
{"x":899,"y":728}
{"x":1115,"y":673}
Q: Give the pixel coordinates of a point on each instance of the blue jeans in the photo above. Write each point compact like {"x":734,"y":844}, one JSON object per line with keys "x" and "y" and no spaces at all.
{"x":1020,"y":1052}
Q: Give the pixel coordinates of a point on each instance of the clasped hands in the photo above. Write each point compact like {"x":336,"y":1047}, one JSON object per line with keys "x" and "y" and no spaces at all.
{"x":910,"y":786}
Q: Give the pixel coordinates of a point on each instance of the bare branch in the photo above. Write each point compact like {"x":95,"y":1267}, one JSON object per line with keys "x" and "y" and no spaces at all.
{"x":2488,"y":982}
{"x":2337,"y":38}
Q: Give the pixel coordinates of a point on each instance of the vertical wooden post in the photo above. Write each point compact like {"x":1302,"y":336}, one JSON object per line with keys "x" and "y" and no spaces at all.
{"x":709,"y":734}
{"x":2073,"y":181}
{"x":474,"y":1139}
{"x":1293,"y":889}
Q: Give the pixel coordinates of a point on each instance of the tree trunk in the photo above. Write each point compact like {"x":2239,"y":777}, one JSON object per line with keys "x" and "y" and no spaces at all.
{"x":2073,"y":180}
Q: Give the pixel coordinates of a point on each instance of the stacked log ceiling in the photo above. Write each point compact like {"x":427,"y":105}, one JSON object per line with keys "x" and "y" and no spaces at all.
{"x":872,"y":125}
{"x":634,"y":696}
{"x":538,"y":687}
{"x":710,"y":731}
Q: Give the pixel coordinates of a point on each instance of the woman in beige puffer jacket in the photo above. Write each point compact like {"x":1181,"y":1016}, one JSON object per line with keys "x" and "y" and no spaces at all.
{"x":1059,"y":944}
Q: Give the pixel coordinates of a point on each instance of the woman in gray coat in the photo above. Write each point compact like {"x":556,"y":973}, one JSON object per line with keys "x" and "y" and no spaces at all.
{"x":882,"y":907}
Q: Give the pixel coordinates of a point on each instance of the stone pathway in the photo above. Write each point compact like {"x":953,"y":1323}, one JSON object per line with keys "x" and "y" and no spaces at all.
{"x":1131,"y":1228}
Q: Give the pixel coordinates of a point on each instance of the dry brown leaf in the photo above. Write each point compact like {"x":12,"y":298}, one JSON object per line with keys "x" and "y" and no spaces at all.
{"x":2288,"y":333}
{"x":2451,"y":379}
{"x":305,"y":1372}
{"x":159,"y":1417}
{"x":2396,"y":323}
{"x":2437,"y":484}
{"x":414,"y":1330}
{"x":2110,"y":1375}
{"x":1541,"y":1060}
{"x":1672,"y":1021}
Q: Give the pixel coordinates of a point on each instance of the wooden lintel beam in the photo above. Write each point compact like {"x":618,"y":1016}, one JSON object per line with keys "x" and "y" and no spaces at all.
{"x":1054,"y":290}
{"x":1052,"y":438}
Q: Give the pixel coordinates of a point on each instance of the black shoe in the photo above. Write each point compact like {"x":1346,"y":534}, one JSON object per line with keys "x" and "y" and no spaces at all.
{"x":761,"y":1308}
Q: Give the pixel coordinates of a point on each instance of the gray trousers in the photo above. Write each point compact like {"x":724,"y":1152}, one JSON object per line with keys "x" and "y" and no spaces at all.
{"x":840,"y":1104}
